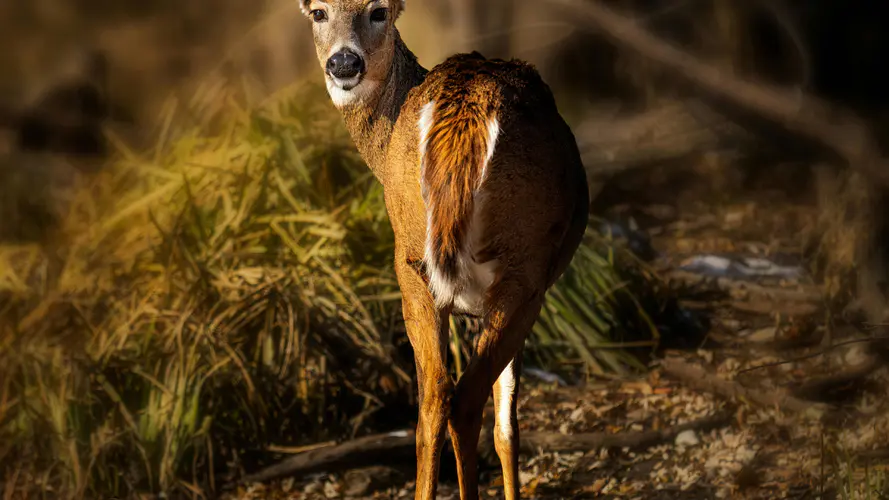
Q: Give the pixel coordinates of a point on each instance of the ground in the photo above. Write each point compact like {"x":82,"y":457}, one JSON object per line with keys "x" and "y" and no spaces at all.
{"x":778,"y":400}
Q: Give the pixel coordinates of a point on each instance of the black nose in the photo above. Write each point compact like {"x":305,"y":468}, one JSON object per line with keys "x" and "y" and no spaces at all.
{"x":345,"y":64}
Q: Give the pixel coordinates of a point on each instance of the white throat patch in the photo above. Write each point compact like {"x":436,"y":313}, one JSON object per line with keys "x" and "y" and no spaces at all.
{"x":356,"y":94}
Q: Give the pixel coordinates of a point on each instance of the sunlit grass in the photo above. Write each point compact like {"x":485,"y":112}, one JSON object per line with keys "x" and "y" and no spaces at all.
{"x":229,"y":291}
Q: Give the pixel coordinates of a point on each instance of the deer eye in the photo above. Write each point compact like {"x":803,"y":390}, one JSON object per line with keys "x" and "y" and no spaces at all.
{"x":319,"y":15}
{"x":378,"y":15}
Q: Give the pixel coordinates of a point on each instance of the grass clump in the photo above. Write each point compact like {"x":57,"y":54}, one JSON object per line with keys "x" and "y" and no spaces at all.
{"x":229,"y":292}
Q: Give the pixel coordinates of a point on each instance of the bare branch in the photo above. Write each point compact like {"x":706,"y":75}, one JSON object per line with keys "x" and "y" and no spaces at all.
{"x":802,"y":116}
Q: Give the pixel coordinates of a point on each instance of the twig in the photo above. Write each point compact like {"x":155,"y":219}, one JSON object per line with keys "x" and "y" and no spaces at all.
{"x":698,"y":378}
{"x":815,"y":388}
{"x":378,"y":448}
{"x":292,"y":450}
{"x":809,"y":356}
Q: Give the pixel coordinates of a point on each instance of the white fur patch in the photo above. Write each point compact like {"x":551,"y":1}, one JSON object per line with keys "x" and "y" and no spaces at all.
{"x":424,"y":124}
{"x":441,"y":288}
{"x":358,"y":94}
{"x":467,"y":292}
{"x":493,"y":133}
{"x":507,"y":384}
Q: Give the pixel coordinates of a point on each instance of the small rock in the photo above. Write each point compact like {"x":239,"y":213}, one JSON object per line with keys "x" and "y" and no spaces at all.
{"x":687,"y":438}
{"x":331,"y":490}
{"x":525,"y":477}
{"x":287,"y":485}
{"x":313,"y":488}
{"x":577,"y":414}
{"x":707,"y":355}
{"x":767,"y":334}
{"x":731,"y":324}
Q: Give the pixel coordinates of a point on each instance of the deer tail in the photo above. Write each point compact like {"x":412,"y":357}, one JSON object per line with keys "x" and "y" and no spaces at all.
{"x":457,"y":139}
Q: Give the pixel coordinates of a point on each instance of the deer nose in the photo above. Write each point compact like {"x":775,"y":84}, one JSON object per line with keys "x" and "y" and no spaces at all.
{"x":345,"y":64}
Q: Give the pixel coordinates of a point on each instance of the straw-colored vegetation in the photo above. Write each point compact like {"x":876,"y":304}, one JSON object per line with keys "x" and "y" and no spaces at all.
{"x":229,"y":292}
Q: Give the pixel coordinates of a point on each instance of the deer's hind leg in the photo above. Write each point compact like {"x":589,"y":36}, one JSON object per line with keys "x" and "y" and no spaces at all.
{"x":506,"y":425}
{"x":512,"y":307}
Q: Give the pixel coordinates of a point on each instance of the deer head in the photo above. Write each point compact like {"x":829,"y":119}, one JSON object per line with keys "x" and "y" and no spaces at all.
{"x":355,"y":43}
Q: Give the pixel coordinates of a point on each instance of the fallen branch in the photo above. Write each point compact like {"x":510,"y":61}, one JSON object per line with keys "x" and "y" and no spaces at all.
{"x":696,"y":377}
{"x":373,"y":450}
{"x":797,"y":114}
{"x":399,"y":447}
{"x":854,"y":373}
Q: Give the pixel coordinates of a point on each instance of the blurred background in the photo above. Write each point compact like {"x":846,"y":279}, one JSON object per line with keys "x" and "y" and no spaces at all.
{"x":195,"y":265}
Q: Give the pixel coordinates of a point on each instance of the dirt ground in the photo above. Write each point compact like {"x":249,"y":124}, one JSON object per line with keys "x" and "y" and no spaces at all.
{"x":777,"y":400}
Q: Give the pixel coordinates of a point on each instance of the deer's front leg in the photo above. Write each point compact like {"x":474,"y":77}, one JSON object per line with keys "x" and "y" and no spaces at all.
{"x":427,"y":329}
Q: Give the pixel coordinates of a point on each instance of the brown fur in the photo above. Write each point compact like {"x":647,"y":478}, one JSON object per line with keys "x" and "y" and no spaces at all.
{"x":532,"y":218}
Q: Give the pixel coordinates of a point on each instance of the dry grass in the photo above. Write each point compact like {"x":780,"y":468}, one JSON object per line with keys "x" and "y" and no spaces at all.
{"x":226,"y":292}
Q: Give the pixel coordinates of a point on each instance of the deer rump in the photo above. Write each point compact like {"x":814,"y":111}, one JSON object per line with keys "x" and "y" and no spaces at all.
{"x":467,"y":104}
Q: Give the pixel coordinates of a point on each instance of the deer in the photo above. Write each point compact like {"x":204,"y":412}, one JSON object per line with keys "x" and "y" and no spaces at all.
{"x":488,"y":201}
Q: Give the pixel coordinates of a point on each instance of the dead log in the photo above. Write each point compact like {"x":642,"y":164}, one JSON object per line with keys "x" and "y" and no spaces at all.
{"x":842,"y":134}
{"x":400,"y":446}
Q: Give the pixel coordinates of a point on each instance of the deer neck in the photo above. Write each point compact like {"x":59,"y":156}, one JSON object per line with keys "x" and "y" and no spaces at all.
{"x":370,"y":122}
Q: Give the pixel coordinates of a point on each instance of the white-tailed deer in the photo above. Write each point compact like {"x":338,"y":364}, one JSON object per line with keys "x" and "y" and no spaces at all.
{"x":488,"y":201}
